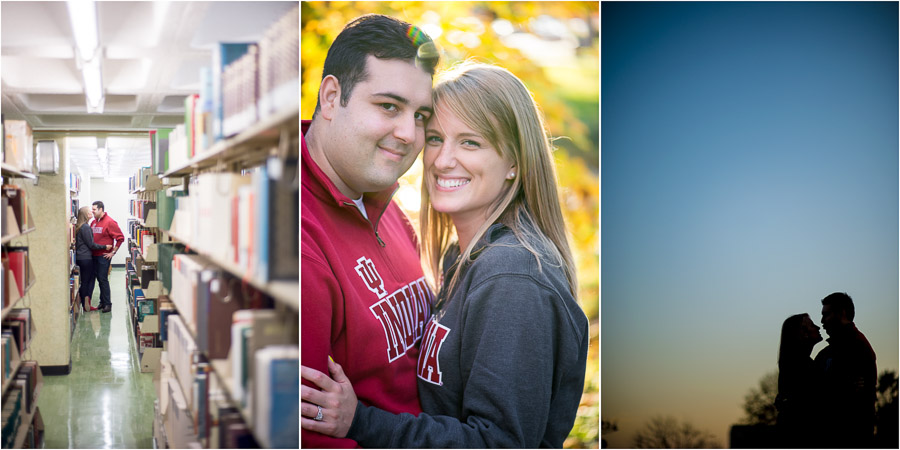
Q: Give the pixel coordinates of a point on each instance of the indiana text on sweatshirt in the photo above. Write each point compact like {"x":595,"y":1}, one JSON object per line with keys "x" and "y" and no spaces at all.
{"x":106,"y":232}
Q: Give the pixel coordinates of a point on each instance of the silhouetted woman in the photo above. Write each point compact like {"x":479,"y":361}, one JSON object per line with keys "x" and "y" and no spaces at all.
{"x":799,"y":381}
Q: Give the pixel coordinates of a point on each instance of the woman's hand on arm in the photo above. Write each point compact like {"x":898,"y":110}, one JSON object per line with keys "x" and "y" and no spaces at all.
{"x":336,"y":398}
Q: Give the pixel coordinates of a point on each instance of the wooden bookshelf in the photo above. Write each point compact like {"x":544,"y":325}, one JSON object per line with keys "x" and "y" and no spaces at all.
{"x":9,"y":238}
{"x":234,"y":150}
{"x":287,"y":292}
{"x":16,"y":361}
{"x":28,"y":417}
{"x":22,"y":432}
{"x":12,"y":172}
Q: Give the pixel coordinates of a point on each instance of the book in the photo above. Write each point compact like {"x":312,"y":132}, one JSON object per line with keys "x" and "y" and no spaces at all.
{"x":190,"y":113}
{"x":159,"y":139}
{"x":282,"y":234}
{"x":276,"y":399}
{"x":241,"y":328}
{"x":18,"y":264}
{"x":185,"y":276}
{"x":165,"y":210}
{"x":261,"y":236}
{"x":153,"y":152}
{"x":18,"y":145}
{"x":166,"y":308}
{"x":16,"y":198}
{"x":279,"y":78}
{"x":218,"y":298}
{"x":166,"y":252}
{"x":240,"y":91}
{"x":180,"y":350}
{"x":224,"y":54}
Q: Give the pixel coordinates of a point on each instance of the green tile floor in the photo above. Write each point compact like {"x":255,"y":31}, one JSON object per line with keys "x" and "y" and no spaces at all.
{"x":105,"y":402}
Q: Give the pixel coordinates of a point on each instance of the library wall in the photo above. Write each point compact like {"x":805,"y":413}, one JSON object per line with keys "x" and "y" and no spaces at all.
{"x":115,"y":197}
{"x":49,"y":252}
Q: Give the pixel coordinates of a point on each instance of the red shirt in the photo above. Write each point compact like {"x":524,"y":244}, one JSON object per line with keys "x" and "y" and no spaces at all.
{"x":106,"y":232}
{"x":362,"y":303}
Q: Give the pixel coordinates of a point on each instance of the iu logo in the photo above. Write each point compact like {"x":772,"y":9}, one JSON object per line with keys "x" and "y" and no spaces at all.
{"x":429,"y":365}
{"x":366,"y":270}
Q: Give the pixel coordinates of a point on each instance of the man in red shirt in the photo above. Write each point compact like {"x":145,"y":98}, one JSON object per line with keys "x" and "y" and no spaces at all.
{"x":106,"y":232}
{"x":363,"y":297}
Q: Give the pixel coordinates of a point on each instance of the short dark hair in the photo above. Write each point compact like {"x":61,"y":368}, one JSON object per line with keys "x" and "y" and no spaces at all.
{"x":99,"y":205}
{"x":381,"y":36}
{"x":841,"y":301}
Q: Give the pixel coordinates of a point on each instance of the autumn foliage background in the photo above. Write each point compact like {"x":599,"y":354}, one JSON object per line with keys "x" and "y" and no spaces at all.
{"x":553,"y":48}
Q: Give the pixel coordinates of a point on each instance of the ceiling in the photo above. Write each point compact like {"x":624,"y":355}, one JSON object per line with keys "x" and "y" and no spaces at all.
{"x":152,"y":53}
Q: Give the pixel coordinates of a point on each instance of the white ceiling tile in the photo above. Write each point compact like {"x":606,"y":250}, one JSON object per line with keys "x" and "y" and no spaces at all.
{"x":53,"y":102}
{"x":79,"y":142}
{"x":41,"y":74}
{"x":126,"y":75}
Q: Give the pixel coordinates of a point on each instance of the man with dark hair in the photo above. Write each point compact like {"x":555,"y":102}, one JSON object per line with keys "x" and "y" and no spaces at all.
{"x":364,"y":301}
{"x":848,"y":364}
{"x":106,"y":232}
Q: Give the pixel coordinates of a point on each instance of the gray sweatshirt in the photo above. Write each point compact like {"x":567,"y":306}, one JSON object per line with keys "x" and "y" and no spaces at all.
{"x":84,"y":243}
{"x":502,"y":366}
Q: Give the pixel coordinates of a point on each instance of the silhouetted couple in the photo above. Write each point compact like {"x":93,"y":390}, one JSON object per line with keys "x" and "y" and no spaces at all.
{"x":829,"y":401}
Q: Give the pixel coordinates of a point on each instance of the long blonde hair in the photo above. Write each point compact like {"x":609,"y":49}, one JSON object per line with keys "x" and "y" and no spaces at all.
{"x":84,"y":216}
{"x":496,"y":104}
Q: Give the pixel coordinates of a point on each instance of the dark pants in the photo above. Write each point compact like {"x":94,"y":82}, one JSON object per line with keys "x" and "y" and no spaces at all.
{"x":101,"y":266}
{"x":86,"y":269}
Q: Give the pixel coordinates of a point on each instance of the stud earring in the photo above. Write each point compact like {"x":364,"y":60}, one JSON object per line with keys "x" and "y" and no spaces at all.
{"x":511,"y":176}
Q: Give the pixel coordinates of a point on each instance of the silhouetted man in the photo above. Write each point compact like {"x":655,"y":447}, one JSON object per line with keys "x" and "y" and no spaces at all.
{"x":848,"y":364}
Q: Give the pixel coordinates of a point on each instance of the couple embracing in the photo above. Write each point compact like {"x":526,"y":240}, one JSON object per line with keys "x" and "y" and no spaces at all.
{"x":829,"y":401}
{"x":484,"y":347}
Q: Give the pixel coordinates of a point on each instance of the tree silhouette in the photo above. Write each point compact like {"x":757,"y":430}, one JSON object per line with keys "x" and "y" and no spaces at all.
{"x":606,"y":427}
{"x":886,"y":410}
{"x":666,"y":432}
{"x":759,"y":403}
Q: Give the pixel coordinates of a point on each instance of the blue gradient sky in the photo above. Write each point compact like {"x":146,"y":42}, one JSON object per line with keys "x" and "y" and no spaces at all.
{"x":749,"y":167}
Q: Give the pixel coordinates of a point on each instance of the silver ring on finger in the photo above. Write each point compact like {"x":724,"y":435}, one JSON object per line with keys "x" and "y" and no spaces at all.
{"x":318,"y":417}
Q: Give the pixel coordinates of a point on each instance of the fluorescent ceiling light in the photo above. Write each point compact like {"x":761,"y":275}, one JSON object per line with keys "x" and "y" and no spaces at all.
{"x":93,"y":85}
{"x":83,"y":16}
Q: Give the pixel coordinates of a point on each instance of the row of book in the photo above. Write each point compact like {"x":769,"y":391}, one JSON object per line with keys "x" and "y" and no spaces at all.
{"x":143,"y":238}
{"x":14,"y":198}
{"x":265,"y":79}
{"x":141,"y":208}
{"x":18,"y":324}
{"x":16,"y":273}
{"x":264,"y":374}
{"x":18,"y":145}
{"x":247,"y":221}
{"x":279,"y":52}
{"x":245,"y":83}
{"x":143,"y":179}
{"x":19,"y":400}
{"x":74,"y":205}
{"x":74,"y":182}
{"x":74,"y":302}
{"x":10,"y":358}
{"x":159,"y":149}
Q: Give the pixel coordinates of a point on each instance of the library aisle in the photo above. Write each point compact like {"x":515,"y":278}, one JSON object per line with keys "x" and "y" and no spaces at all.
{"x":105,"y":402}
{"x":161,"y":140}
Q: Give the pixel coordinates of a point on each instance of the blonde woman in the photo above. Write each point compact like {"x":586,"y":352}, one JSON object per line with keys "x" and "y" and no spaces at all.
{"x":84,"y":244}
{"x":502,"y":362}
